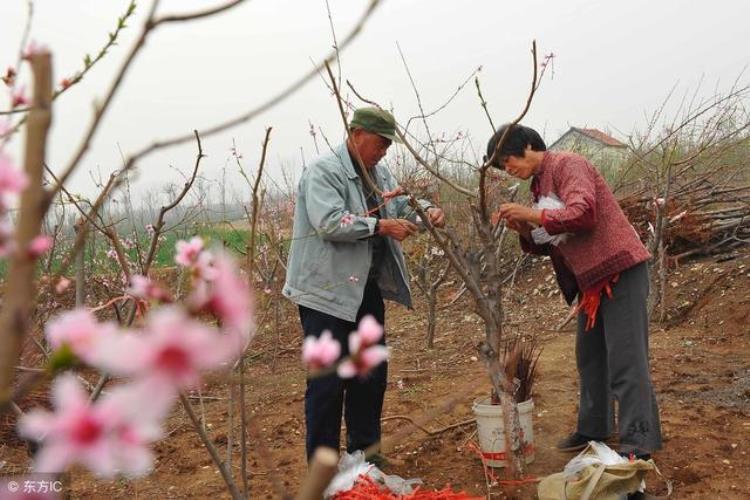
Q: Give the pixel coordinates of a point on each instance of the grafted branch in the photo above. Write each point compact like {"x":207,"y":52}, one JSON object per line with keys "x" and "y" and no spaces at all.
{"x":20,"y":291}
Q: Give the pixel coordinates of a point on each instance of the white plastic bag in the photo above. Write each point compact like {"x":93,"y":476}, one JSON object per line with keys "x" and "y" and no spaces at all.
{"x":540,"y":235}
{"x":351,"y":466}
{"x":396,"y":484}
{"x":602,"y":455}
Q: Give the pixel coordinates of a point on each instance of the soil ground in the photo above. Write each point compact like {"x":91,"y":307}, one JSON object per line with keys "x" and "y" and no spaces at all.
{"x":700,"y":359}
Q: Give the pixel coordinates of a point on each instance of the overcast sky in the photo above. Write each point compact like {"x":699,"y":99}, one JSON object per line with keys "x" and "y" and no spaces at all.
{"x":614,"y":62}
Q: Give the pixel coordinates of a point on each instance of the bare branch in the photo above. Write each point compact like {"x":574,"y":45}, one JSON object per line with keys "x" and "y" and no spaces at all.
{"x":163,"y":212}
{"x":251,"y":258}
{"x":281,"y":96}
{"x":225,"y":472}
{"x":102,"y":108}
{"x":196,"y":15}
{"x":484,"y":104}
{"x":416,"y":93}
{"x":414,"y":152}
{"x":488,"y":163}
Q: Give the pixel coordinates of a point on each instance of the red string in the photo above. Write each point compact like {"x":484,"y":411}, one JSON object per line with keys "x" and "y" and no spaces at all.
{"x":592,"y":298}
{"x":366,"y":488}
{"x":492,"y":477}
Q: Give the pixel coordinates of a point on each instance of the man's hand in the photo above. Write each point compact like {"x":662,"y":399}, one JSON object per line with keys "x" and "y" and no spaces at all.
{"x":436,"y":215}
{"x":388,"y":195}
{"x":398,"y":229}
{"x":513,"y":212}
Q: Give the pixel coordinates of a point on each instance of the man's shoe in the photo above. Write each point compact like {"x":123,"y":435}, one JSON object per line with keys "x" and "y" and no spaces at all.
{"x":576,"y":442}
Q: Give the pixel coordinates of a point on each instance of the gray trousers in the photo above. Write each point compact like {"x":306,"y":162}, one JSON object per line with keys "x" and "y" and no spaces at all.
{"x":612,"y":361}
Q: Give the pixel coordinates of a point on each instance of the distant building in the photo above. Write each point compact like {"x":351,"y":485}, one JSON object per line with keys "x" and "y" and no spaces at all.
{"x":600,"y":148}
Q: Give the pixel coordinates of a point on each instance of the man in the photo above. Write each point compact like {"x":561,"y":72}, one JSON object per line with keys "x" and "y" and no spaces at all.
{"x":598,"y":257}
{"x":345,"y":258}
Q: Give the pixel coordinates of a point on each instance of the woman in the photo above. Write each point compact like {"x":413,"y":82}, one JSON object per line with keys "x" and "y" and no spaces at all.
{"x":597,"y":257}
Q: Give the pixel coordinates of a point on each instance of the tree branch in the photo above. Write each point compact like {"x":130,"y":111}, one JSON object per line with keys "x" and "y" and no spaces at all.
{"x":20,"y":291}
{"x":196,"y":15}
{"x":483,"y":170}
{"x":281,"y":96}
{"x":163,"y":211}
{"x":225,"y":474}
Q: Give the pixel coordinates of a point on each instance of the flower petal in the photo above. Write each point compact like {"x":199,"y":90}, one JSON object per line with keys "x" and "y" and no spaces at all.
{"x":346,"y":369}
{"x":35,"y":424}
{"x":370,"y":330}
{"x":53,"y":458}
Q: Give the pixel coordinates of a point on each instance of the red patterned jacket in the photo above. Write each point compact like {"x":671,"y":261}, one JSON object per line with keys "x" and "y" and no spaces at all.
{"x":603,"y":242}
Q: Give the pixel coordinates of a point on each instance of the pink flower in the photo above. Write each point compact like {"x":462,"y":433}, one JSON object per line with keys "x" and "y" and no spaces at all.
{"x":188,"y":251}
{"x":10,"y":76}
{"x":364,"y":353}
{"x":80,"y":330}
{"x":226,"y":295}
{"x":74,"y":433}
{"x":112,"y":254}
{"x":139,"y":286}
{"x":320,"y":352}
{"x":135,"y":414}
{"x":150,"y":229}
{"x":347,"y":219}
{"x":65,"y":83}
{"x":18,"y":97}
{"x":34,"y":48}
{"x":108,"y":437}
{"x":361,"y":363}
{"x":172,"y":351}
{"x":142,"y":287}
{"x":12,"y":180}
{"x":204,"y":267}
{"x":370,"y":331}
{"x":39,"y":246}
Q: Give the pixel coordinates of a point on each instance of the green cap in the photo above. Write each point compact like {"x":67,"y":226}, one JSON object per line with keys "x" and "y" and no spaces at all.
{"x":377,"y":121}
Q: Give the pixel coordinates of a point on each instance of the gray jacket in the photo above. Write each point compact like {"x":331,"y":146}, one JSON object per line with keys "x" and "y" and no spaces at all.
{"x":330,"y":257}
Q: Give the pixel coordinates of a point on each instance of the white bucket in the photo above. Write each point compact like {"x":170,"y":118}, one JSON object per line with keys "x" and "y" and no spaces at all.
{"x":491,"y":434}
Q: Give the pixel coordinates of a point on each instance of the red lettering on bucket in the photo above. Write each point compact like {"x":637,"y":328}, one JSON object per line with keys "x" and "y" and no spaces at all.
{"x":528,"y":449}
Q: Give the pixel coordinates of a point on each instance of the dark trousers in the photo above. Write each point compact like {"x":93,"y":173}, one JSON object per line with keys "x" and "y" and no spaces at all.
{"x":612,"y":361}
{"x":361,"y":398}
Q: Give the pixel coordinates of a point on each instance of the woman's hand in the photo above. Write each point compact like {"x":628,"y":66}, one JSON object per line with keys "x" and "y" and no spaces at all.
{"x":522,"y":228}
{"x":513,"y":212}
